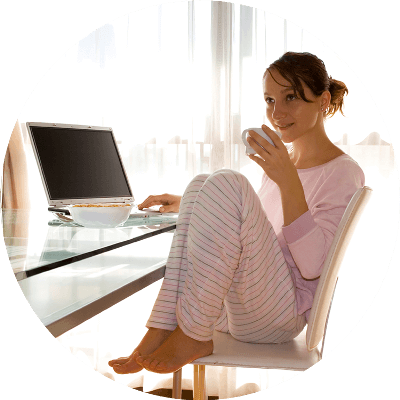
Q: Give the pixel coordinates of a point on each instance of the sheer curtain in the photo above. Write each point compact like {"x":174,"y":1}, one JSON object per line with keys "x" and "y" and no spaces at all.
{"x":178,"y":83}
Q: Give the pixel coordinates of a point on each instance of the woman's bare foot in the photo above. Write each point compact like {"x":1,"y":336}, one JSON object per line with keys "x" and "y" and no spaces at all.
{"x":151,"y":341}
{"x":177,"y":351}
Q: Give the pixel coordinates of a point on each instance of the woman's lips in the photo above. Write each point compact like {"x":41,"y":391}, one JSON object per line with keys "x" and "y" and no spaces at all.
{"x":283,"y":127}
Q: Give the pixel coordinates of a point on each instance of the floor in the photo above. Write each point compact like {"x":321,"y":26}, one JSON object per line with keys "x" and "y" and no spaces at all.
{"x":186,"y":394}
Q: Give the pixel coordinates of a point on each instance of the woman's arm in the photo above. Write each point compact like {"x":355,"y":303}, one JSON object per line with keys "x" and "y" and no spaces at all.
{"x":309,"y":237}
{"x":276,"y":163}
{"x":294,"y":202}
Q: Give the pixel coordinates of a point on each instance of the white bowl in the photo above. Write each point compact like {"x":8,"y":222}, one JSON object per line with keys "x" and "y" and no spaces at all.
{"x":107,"y":215}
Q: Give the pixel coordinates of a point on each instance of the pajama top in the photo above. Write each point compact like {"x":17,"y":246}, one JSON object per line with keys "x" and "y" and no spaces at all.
{"x":305,"y":243}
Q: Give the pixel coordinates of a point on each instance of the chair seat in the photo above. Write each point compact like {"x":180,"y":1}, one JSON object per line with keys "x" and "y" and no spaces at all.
{"x":229,"y":352}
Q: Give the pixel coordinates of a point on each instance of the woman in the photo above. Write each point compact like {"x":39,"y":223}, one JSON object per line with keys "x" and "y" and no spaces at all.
{"x":248,"y":263}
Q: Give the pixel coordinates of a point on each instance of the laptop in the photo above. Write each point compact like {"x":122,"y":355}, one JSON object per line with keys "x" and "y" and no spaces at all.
{"x":80,"y":164}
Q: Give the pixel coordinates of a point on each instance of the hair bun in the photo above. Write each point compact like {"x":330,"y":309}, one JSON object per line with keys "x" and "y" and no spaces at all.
{"x":337,"y":90}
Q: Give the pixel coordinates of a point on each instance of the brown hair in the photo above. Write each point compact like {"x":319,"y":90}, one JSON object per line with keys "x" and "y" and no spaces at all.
{"x":311,"y":70}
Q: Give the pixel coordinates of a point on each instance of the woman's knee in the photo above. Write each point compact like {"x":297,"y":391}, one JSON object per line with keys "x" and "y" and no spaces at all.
{"x":196,"y":183}
{"x":201,"y":177}
{"x":228,"y":173}
{"x":234,"y":179}
{"x":227,"y":180}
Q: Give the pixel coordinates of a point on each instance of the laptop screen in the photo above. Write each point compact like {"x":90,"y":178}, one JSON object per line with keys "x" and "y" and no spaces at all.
{"x":79,"y":163}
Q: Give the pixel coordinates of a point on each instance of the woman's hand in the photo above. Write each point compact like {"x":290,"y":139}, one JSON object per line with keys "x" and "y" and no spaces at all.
{"x":275,"y":161}
{"x":169,"y":202}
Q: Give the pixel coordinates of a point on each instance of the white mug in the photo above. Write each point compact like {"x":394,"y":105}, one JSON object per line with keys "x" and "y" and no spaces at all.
{"x":245,"y":134}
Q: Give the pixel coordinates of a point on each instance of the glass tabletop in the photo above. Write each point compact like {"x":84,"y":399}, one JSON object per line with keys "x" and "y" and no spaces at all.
{"x":38,"y":241}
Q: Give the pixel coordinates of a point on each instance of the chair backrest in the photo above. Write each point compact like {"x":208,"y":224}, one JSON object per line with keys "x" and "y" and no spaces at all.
{"x":327,"y":281}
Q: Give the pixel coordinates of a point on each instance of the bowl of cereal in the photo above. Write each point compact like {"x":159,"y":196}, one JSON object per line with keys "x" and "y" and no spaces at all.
{"x":107,"y":215}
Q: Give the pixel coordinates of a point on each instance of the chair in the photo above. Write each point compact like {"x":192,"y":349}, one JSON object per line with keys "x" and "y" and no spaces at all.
{"x":302,"y":352}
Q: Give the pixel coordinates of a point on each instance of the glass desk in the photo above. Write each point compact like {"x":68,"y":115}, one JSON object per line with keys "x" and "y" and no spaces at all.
{"x":70,"y":273}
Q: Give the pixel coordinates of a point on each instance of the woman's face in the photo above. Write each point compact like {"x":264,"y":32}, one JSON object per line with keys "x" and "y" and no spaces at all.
{"x":287,"y":112}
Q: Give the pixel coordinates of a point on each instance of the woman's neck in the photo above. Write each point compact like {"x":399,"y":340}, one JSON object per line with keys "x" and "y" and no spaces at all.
{"x":312,"y":150}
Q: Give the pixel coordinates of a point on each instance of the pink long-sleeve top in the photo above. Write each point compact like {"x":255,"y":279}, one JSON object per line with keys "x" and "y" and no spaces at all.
{"x":305,"y":243}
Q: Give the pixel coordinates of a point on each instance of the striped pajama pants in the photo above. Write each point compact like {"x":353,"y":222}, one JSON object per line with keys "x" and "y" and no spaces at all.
{"x":226,"y":270}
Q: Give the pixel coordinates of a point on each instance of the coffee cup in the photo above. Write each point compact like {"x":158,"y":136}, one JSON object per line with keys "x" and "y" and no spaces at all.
{"x":245,"y":134}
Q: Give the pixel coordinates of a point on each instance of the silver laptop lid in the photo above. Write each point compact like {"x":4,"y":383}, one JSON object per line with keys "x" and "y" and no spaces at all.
{"x":79,"y":164}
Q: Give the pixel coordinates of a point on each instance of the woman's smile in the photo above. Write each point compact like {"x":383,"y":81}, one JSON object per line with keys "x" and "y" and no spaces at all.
{"x":284,"y":127}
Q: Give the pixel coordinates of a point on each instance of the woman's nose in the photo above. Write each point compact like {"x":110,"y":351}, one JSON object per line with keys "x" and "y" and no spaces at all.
{"x":278,"y":112}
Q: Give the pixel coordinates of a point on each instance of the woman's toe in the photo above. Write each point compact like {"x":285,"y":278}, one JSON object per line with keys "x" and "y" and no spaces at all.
{"x":153,"y":364}
{"x":146,"y":362}
{"x":161,"y":366}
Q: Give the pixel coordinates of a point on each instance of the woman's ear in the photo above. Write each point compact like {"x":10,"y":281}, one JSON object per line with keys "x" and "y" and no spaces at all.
{"x":325,"y":100}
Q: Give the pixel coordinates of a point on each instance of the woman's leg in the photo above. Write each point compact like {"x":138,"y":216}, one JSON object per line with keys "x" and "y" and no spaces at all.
{"x":162,"y":320}
{"x":233,"y":259}
{"x":163,"y":315}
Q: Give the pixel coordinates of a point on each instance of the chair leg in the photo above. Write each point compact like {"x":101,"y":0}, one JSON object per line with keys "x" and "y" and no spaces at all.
{"x":199,"y":383}
{"x":177,"y":384}
{"x":202,"y":382}
{"x":195,"y":382}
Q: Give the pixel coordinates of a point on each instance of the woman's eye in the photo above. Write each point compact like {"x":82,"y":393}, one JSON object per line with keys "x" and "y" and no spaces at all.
{"x":289,"y":97}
